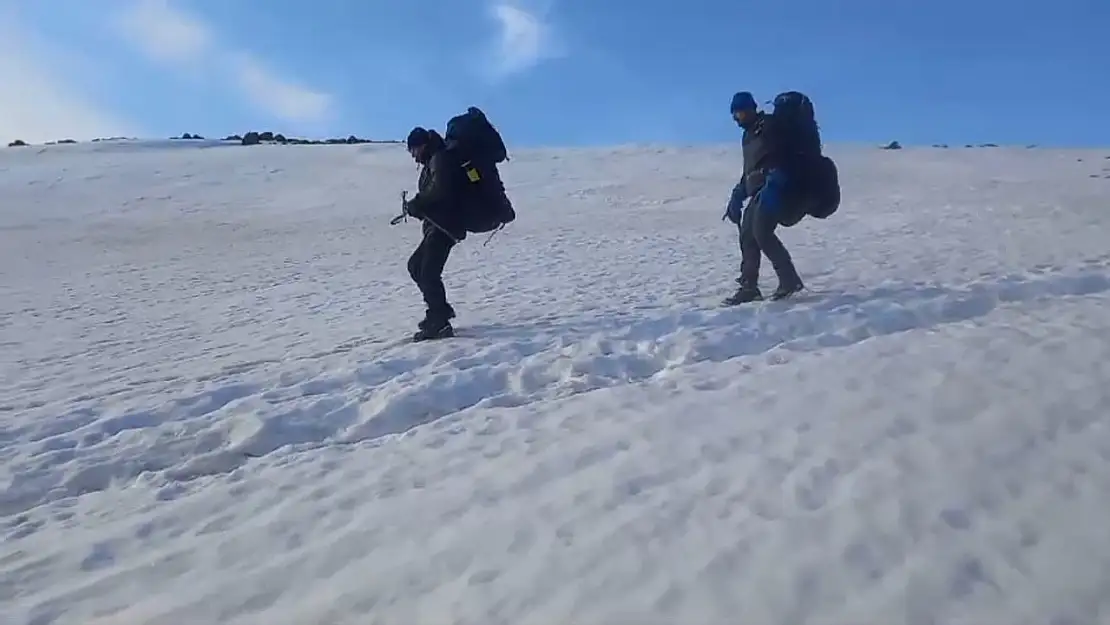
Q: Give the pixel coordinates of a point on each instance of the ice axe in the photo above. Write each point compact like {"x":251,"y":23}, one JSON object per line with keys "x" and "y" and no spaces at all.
{"x":404,"y":210}
{"x":405,"y":213}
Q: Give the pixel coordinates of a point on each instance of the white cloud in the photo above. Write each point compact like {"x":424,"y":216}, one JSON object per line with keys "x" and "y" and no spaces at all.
{"x":171,"y":36}
{"x":285,"y":99}
{"x":166,"y":34}
{"x":36,"y":104}
{"x":524,"y":40}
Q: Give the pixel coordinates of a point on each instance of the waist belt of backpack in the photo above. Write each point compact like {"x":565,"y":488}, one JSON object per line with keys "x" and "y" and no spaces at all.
{"x":755,"y":180}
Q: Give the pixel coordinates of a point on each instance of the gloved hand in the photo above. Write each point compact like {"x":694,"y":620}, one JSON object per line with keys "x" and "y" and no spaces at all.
{"x":769,"y":195}
{"x":414,"y":208}
{"x":735,"y":207}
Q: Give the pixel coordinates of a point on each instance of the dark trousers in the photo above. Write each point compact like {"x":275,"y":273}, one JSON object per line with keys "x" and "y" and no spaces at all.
{"x":426,"y":268}
{"x":757,"y":237}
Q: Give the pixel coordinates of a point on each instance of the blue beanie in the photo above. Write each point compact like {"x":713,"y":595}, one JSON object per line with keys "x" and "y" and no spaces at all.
{"x":742,"y":101}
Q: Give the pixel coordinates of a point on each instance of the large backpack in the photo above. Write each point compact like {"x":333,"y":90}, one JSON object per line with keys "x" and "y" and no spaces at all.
{"x":479,"y":148}
{"x":474,"y":137}
{"x":797,"y":128}
{"x":825,"y":189}
{"x":797,"y":125}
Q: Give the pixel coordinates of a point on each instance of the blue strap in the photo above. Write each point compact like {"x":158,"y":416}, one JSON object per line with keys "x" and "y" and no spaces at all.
{"x":770,"y":195}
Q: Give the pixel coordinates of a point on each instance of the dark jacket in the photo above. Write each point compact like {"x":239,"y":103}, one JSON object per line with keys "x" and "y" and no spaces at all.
{"x":762,"y":148}
{"x":765,"y":149}
{"x":764,"y":153}
{"x":440,"y":194}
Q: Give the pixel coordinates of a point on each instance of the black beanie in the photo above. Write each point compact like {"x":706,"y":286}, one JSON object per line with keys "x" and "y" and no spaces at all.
{"x":417,"y":137}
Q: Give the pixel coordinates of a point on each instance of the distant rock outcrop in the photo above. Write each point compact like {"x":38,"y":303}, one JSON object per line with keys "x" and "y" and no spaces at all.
{"x":258,"y":138}
{"x":251,"y":138}
{"x":893,"y":145}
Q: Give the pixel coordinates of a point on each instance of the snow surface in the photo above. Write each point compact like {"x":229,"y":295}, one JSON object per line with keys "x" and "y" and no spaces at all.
{"x":206,"y":415}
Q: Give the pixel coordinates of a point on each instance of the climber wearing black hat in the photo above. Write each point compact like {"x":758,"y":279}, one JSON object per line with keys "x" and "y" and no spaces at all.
{"x":437,"y":204}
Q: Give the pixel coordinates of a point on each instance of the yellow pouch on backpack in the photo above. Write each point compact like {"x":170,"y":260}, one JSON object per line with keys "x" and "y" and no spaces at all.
{"x":471,"y":172}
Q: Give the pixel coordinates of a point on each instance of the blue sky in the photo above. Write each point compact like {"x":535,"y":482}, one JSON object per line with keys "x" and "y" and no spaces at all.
{"x":556,"y":72}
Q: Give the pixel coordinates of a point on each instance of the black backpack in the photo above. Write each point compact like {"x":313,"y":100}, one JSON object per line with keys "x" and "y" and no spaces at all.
{"x":474,"y":137}
{"x":797,"y":125}
{"x":825,"y":186}
{"x":797,"y":129}
{"x":479,"y":148}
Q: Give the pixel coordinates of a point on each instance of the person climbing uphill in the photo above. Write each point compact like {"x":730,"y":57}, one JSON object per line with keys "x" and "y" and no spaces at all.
{"x":765,"y":186}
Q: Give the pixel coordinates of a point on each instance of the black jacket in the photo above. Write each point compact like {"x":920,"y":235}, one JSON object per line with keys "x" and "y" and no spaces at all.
{"x":440,"y":194}
{"x":762,"y":147}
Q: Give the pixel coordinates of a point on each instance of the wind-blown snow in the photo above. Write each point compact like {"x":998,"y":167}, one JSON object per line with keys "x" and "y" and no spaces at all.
{"x":207,"y":416}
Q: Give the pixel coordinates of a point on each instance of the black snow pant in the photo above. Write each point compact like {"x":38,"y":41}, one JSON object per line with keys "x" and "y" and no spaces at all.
{"x":426,"y":268}
{"x":757,"y":237}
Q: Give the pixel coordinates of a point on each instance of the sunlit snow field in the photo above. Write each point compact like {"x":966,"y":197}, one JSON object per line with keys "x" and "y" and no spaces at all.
{"x":207,"y":413}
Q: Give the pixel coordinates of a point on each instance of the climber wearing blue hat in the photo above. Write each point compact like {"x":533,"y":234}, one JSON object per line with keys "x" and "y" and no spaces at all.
{"x":762,"y":186}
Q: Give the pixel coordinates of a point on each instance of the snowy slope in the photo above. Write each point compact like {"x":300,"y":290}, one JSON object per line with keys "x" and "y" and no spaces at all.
{"x":206,"y":416}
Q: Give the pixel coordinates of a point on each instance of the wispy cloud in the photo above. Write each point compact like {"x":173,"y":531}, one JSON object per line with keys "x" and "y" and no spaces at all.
{"x":524,"y":39}
{"x":169,"y":35}
{"x":166,"y":34}
{"x":38,"y":104}
{"x":286,"y":100}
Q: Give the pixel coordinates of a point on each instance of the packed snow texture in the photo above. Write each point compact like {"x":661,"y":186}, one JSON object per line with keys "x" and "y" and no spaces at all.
{"x":208,"y":413}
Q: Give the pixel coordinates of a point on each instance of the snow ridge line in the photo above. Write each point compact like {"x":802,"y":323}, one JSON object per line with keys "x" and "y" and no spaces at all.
{"x":503,"y":366}
{"x":582,"y":355}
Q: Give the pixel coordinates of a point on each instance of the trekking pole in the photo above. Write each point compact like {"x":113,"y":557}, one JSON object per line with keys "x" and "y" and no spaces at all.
{"x":492,"y":234}
{"x":441,"y":228}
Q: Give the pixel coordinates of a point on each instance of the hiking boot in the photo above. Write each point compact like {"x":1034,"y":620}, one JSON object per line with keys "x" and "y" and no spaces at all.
{"x":434,"y":330}
{"x":449,"y":314}
{"x":743,"y":295}
{"x":786,"y":289}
